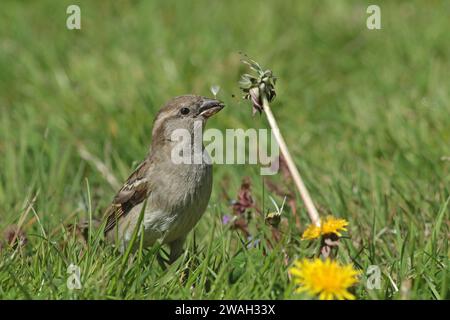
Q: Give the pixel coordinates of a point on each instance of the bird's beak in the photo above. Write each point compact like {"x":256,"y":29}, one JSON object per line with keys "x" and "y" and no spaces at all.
{"x":210,"y":107}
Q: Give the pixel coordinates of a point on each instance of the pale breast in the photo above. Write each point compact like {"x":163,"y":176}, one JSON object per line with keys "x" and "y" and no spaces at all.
{"x":177,"y":203}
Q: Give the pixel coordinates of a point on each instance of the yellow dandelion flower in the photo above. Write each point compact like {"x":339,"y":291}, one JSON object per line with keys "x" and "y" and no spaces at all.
{"x":329,"y":225}
{"x":327,"y":279}
{"x":311,"y":232}
{"x":334,"y":225}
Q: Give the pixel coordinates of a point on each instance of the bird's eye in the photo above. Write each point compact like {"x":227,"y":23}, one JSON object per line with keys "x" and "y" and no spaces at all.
{"x":184,"y":111}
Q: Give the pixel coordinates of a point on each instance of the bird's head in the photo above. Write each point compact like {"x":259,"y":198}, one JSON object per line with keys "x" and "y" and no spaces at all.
{"x":183,"y":112}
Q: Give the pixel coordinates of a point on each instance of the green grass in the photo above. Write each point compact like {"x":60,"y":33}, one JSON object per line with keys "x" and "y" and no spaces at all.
{"x":366,"y":115}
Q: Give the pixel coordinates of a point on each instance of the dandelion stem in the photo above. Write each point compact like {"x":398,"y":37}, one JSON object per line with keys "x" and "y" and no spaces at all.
{"x":309,"y":204}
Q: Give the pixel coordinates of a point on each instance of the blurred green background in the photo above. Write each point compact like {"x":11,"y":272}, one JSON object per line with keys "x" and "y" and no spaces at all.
{"x":365,"y":113}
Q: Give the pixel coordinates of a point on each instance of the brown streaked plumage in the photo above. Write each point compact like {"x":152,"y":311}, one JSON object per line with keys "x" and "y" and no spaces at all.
{"x":133,"y":192}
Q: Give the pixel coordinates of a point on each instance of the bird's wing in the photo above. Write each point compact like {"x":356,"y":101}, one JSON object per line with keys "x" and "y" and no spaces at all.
{"x":133,"y":192}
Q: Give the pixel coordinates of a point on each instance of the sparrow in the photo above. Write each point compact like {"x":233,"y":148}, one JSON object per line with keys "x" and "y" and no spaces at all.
{"x":172,"y":195}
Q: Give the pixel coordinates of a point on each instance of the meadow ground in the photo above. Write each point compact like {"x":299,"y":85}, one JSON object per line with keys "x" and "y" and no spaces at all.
{"x":366,"y":115}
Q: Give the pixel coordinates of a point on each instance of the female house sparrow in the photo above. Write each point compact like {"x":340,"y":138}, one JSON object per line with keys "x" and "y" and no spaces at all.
{"x":176,"y":194}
